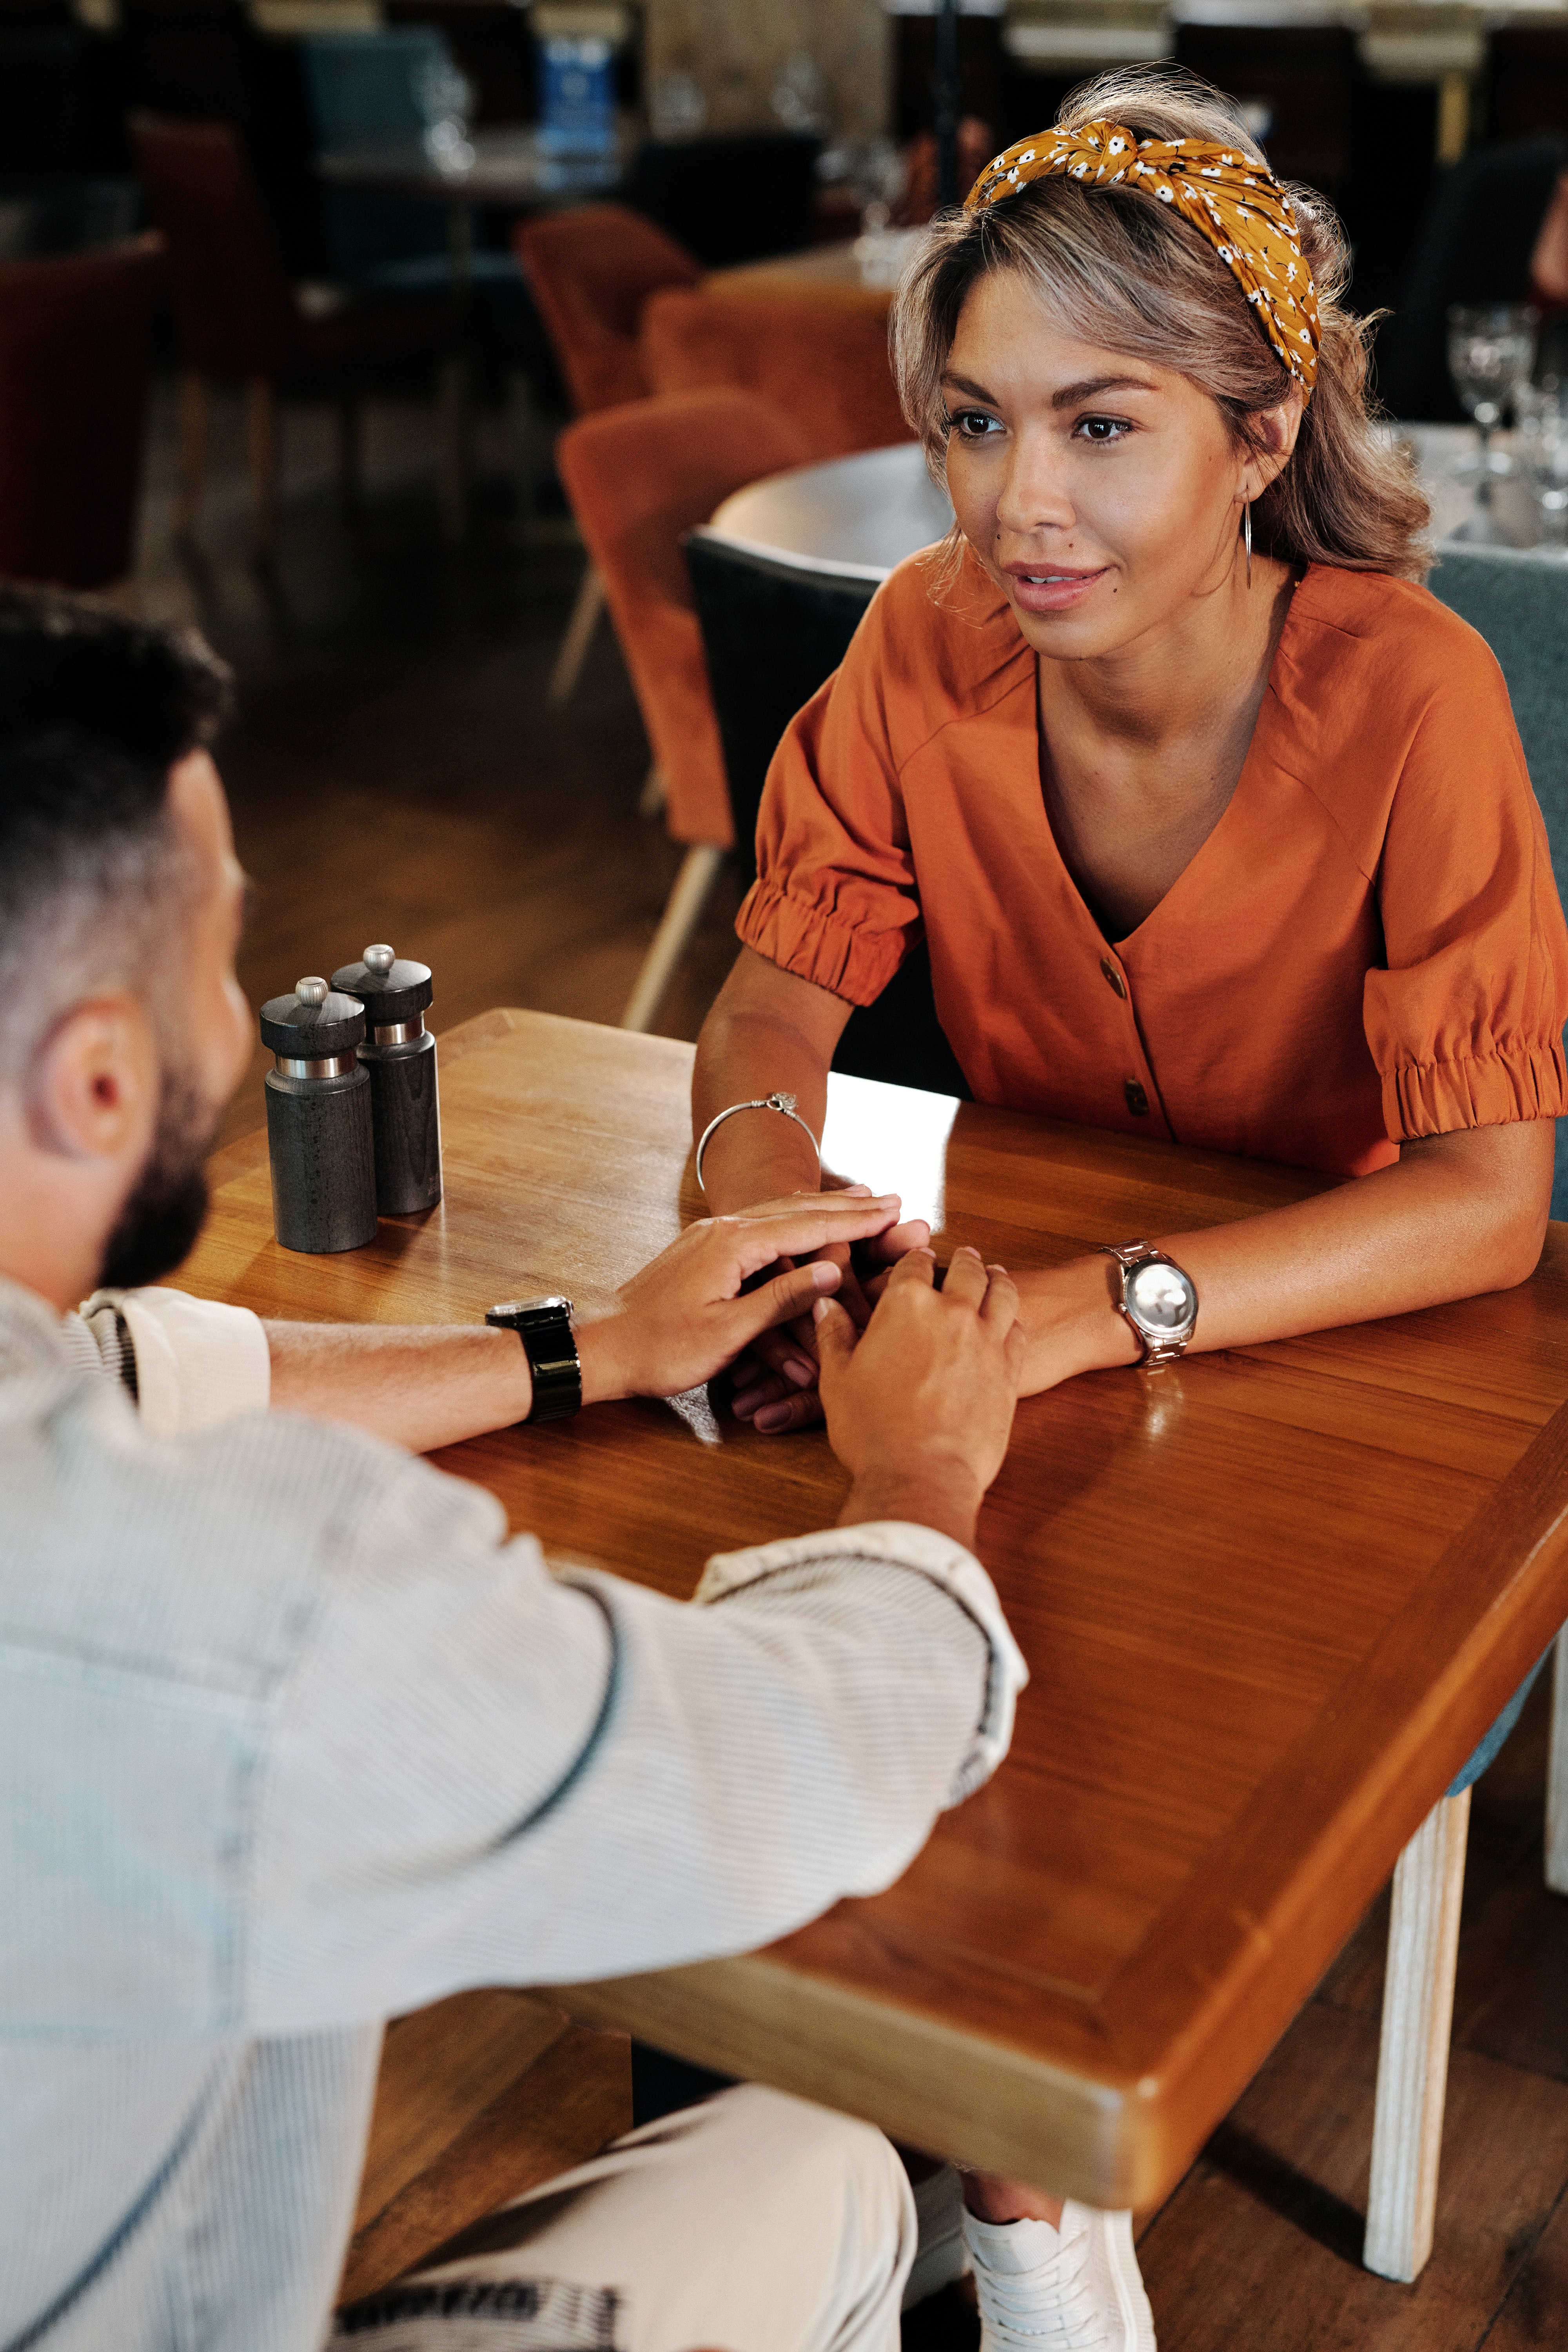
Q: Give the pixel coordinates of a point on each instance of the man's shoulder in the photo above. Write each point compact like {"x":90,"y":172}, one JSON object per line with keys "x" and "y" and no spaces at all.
{"x":205,"y":1559}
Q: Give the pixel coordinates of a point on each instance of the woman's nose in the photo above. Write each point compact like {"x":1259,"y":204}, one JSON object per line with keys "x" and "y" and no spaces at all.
{"x":1034,"y":493}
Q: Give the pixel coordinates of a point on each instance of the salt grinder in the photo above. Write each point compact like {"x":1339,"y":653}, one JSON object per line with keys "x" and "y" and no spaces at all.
{"x":318,"y":1120}
{"x":400,"y":1054}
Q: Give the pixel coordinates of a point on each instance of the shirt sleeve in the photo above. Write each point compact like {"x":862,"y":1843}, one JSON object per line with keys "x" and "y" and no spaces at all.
{"x":194,"y":1363}
{"x":480,"y":1771}
{"x":834,"y":899}
{"x":1466,"y":1023}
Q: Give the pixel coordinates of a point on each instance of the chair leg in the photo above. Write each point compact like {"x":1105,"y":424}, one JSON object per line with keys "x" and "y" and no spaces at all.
{"x":650,"y":800}
{"x":261,"y":431}
{"x":351,"y":454}
{"x":1557,"y":1773}
{"x":580,"y":629}
{"x":193,"y":453}
{"x":1413,"y":2057}
{"x":452,"y":398}
{"x":682,"y":913}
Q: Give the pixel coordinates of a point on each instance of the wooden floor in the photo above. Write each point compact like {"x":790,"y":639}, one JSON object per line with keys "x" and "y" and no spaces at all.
{"x":396,"y":774}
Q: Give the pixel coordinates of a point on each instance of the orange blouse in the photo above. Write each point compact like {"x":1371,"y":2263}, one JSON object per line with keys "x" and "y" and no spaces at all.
{"x":1369,"y":947}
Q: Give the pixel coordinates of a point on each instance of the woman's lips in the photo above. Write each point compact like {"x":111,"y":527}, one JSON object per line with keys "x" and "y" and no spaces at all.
{"x":1050,"y":588}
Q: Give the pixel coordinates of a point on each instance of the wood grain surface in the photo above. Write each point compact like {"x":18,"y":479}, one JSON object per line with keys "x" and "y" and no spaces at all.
{"x":1270,"y":1600}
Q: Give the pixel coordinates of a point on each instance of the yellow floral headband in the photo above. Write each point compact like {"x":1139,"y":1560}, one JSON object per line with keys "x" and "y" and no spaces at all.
{"x":1238,"y":205}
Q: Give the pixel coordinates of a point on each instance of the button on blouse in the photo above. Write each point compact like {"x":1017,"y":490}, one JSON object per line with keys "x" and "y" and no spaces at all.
{"x":1368,"y":948}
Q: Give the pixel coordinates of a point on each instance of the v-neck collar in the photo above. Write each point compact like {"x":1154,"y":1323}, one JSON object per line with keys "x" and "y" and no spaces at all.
{"x":1261,"y":726}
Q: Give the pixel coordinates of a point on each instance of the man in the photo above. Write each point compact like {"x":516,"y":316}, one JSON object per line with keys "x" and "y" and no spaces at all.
{"x":291,"y":1738}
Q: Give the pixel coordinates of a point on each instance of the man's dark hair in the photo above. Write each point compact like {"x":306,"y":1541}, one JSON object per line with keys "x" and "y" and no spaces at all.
{"x":94,"y":711}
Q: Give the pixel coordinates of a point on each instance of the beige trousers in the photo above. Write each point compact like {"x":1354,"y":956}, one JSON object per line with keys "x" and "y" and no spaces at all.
{"x":751,"y":2224}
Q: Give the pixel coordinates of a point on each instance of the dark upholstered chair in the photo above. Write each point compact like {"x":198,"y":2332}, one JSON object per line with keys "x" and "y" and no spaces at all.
{"x":742,"y":197}
{"x":591,"y":271}
{"x":639,"y":478}
{"x":1475,"y":246}
{"x":239,"y":319}
{"x":772,"y":632}
{"x":73,"y":408}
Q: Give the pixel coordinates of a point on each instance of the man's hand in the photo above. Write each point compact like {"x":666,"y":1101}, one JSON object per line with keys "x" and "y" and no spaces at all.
{"x":920,"y":1404}
{"x":686,"y":1316}
{"x":776,"y":1381}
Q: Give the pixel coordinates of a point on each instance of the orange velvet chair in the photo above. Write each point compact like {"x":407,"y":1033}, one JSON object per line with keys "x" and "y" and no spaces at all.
{"x":591,"y":271}
{"x":639,"y":478}
{"x":239,"y":319}
{"x":822,"y":362}
{"x":73,"y":410}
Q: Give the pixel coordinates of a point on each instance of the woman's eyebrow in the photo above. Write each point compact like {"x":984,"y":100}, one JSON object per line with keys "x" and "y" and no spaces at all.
{"x":967,"y":384}
{"x":1071,"y":394}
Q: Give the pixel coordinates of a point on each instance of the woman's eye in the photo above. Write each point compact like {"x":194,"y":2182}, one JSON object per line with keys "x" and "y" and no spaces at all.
{"x":1103,"y":428}
{"x":972,"y":424}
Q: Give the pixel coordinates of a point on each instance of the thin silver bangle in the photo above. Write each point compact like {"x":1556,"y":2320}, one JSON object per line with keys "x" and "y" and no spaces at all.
{"x":784,"y":1103}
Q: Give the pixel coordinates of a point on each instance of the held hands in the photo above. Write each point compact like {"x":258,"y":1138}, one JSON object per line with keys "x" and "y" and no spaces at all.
{"x":685,"y":1316}
{"x":774,"y":1383}
{"x":919,"y":1403}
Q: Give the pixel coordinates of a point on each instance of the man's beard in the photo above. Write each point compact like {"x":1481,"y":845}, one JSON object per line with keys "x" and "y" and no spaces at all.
{"x":166,"y":1206}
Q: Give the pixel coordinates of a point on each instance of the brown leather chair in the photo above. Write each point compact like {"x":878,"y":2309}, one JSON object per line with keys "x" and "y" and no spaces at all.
{"x":239,"y":319}
{"x":639,"y":478}
{"x":821,"y":361}
{"x":592,"y":271}
{"x":73,"y":410}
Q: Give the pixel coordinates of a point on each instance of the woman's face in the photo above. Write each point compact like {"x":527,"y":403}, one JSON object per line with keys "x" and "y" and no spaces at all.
{"x":1101,"y":493}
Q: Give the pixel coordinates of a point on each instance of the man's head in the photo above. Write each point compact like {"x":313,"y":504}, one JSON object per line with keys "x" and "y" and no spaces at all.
{"x":123,"y":1030}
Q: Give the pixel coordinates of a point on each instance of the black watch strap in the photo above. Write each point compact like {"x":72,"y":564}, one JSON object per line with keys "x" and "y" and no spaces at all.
{"x":544,"y":1327}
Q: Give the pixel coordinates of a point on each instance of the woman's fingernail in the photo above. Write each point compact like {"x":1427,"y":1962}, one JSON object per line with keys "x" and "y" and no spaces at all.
{"x":860,"y":1191}
{"x":772,"y":1416}
{"x":824,"y":1275}
{"x":803,"y":1374}
{"x":744,"y":1405}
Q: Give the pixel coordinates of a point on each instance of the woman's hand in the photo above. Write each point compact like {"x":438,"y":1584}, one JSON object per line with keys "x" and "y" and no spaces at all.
{"x":920,"y":1404}
{"x":776,"y":1380}
{"x":687,"y":1315}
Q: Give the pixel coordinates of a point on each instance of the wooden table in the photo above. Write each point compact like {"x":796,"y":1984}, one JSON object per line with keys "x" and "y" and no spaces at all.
{"x":1271,"y":1600}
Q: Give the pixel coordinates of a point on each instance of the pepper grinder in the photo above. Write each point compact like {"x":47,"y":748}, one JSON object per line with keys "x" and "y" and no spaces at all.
{"x":318,"y":1120}
{"x":400,"y":1054}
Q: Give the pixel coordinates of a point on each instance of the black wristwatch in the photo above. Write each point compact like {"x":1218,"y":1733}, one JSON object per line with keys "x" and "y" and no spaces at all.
{"x":544,"y":1327}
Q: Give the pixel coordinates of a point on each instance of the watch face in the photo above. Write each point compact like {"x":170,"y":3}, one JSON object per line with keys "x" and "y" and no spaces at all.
{"x":1161,"y":1299}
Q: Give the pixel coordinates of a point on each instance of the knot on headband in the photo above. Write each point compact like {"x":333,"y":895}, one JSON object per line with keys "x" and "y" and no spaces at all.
{"x":1238,"y":204}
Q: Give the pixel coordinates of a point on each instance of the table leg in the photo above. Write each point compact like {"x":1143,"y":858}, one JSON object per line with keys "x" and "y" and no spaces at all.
{"x":261,"y":420}
{"x":453,"y":400}
{"x":1557,"y":1773}
{"x":1412,"y":2056}
{"x":193,"y":452}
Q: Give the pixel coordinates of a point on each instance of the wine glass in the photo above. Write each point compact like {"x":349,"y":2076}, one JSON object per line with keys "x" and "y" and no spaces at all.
{"x":1543,"y":454}
{"x":1492,"y":351}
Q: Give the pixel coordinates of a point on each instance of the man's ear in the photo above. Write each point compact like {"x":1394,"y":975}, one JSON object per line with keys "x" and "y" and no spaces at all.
{"x":91,"y":1092}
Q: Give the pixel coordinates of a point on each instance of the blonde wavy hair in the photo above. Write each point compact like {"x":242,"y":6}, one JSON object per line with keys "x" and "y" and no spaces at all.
{"x":1137,"y":280}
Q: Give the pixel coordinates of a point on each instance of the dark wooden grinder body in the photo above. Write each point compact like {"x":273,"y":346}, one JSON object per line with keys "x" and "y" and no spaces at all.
{"x":319,"y":1138}
{"x":404,"y":1106}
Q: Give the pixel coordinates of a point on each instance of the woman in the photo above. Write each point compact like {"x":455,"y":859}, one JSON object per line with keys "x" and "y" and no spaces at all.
{"x":1216,"y":824}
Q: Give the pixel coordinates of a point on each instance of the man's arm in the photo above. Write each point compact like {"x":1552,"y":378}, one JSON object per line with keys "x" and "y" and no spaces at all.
{"x":678,"y":1323}
{"x":490,"y":1774}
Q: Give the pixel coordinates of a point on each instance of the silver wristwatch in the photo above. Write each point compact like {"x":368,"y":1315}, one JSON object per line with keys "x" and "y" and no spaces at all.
{"x":1157,"y":1300}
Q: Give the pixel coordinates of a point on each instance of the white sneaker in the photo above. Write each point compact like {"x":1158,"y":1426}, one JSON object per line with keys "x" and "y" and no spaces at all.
{"x":1076,"y":2289}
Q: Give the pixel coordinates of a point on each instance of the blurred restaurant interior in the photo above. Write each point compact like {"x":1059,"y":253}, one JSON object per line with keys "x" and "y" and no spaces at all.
{"x":400,"y":346}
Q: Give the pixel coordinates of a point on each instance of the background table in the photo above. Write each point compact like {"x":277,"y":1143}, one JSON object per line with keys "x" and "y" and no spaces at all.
{"x":859,"y":516}
{"x":1269,"y":1600}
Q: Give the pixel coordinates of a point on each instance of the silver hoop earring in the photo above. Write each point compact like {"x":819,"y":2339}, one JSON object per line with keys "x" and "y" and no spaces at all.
{"x":1247,"y":535}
